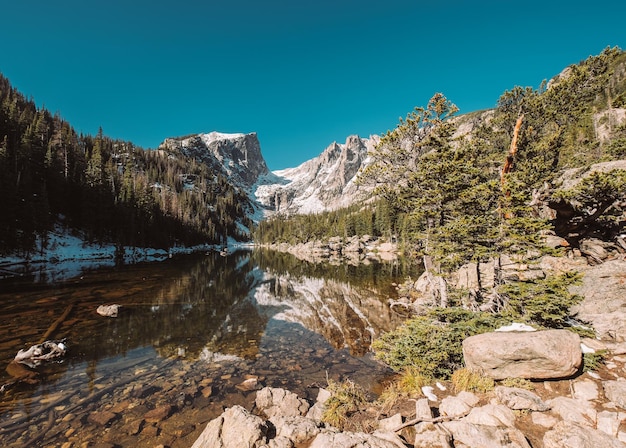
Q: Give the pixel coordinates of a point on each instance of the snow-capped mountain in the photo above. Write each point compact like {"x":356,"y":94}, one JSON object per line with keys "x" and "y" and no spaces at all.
{"x":326,"y":182}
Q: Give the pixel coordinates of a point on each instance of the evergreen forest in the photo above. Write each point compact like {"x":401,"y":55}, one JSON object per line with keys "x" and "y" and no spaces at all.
{"x":108,"y":190}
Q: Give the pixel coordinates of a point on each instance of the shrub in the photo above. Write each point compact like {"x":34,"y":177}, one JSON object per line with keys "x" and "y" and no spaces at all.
{"x":346,"y":397}
{"x":545,"y":302}
{"x":593,"y":361}
{"x":433,"y":343}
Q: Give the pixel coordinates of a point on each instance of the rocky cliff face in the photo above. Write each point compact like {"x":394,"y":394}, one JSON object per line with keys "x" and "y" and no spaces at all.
{"x":326,"y":182}
{"x":238,"y":156}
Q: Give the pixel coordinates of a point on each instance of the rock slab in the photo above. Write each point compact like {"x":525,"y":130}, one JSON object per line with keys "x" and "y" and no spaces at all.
{"x":533,"y":355}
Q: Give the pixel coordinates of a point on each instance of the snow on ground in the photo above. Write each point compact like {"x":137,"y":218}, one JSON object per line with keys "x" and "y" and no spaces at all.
{"x":68,"y":255}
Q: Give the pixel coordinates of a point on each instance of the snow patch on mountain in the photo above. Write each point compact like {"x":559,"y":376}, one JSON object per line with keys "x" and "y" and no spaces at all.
{"x":326,"y":182}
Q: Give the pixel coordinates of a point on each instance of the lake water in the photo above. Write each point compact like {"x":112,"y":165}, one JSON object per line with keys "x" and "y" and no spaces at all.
{"x":189,"y":332}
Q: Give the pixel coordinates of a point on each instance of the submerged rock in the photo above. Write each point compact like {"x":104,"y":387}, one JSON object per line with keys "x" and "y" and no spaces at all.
{"x":108,"y":310}
{"x":38,"y":353}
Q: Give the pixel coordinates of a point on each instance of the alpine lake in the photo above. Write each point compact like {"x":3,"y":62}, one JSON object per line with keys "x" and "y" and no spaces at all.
{"x":194,"y":335}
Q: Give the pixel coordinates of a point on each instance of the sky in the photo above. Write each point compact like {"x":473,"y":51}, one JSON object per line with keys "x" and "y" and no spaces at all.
{"x":301,"y":74}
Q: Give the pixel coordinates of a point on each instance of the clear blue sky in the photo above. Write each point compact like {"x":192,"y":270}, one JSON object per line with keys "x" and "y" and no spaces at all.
{"x":301,"y":74}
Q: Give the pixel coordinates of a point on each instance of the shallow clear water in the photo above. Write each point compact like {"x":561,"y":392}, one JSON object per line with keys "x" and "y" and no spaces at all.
{"x":190,"y":330}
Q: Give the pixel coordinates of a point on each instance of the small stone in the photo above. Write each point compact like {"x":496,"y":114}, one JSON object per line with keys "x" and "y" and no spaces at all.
{"x":516,"y":398}
{"x":150,"y":431}
{"x":422,"y":409}
{"x":585,"y":390}
{"x":207,"y":391}
{"x":120,"y":407}
{"x":177,"y":428}
{"x":135,"y":426}
{"x":69,"y":432}
{"x":453,"y":407}
{"x":543,"y":419}
{"x":101,"y":418}
{"x":390,"y":423}
{"x":608,"y":422}
{"x":158,"y":414}
{"x":248,"y":385}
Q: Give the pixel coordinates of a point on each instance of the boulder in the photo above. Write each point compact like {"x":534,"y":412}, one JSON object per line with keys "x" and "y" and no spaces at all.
{"x":576,"y":411}
{"x":328,"y":439}
{"x":534,"y":355}
{"x":459,"y":405}
{"x":236,"y":427}
{"x":517,"y":399}
{"x":429,"y":435}
{"x":616,"y":392}
{"x":572,"y":435}
{"x":274,"y":402}
{"x":296,"y":429}
{"x":491,"y":415}
{"x":467,"y":435}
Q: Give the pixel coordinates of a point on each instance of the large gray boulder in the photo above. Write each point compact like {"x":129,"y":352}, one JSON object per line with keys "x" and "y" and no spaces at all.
{"x":535,"y":355}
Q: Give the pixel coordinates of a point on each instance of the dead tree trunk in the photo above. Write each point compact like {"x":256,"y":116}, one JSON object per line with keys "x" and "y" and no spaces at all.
{"x":510,"y":160}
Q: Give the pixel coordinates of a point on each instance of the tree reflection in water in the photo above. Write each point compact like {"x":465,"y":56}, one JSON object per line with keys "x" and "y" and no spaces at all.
{"x":290,"y":323}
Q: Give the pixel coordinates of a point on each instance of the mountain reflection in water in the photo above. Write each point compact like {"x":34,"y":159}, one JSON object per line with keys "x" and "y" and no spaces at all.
{"x":189,"y":330}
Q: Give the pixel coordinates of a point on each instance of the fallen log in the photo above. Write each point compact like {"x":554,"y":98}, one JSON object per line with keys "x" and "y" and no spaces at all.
{"x":56,"y":323}
{"x":444,"y":418}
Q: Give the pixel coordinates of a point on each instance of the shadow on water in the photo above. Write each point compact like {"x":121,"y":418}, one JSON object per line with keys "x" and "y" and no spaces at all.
{"x":190,"y":330}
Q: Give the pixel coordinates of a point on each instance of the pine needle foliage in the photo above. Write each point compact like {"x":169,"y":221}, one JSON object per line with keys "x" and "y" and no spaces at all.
{"x":545,"y":302}
{"x":433,"y":343}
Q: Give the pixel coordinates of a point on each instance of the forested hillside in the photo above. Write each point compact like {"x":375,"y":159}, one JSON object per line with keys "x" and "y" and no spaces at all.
{"x":108,"y":190}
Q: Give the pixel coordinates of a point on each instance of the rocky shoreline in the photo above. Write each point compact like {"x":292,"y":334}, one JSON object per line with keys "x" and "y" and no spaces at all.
{"x":586,"y":409}
{"x":355,"y":249}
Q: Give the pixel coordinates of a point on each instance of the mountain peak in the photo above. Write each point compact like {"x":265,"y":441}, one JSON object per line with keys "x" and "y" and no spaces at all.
{"x":323,"y":183}
{"x":238,"y":156}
